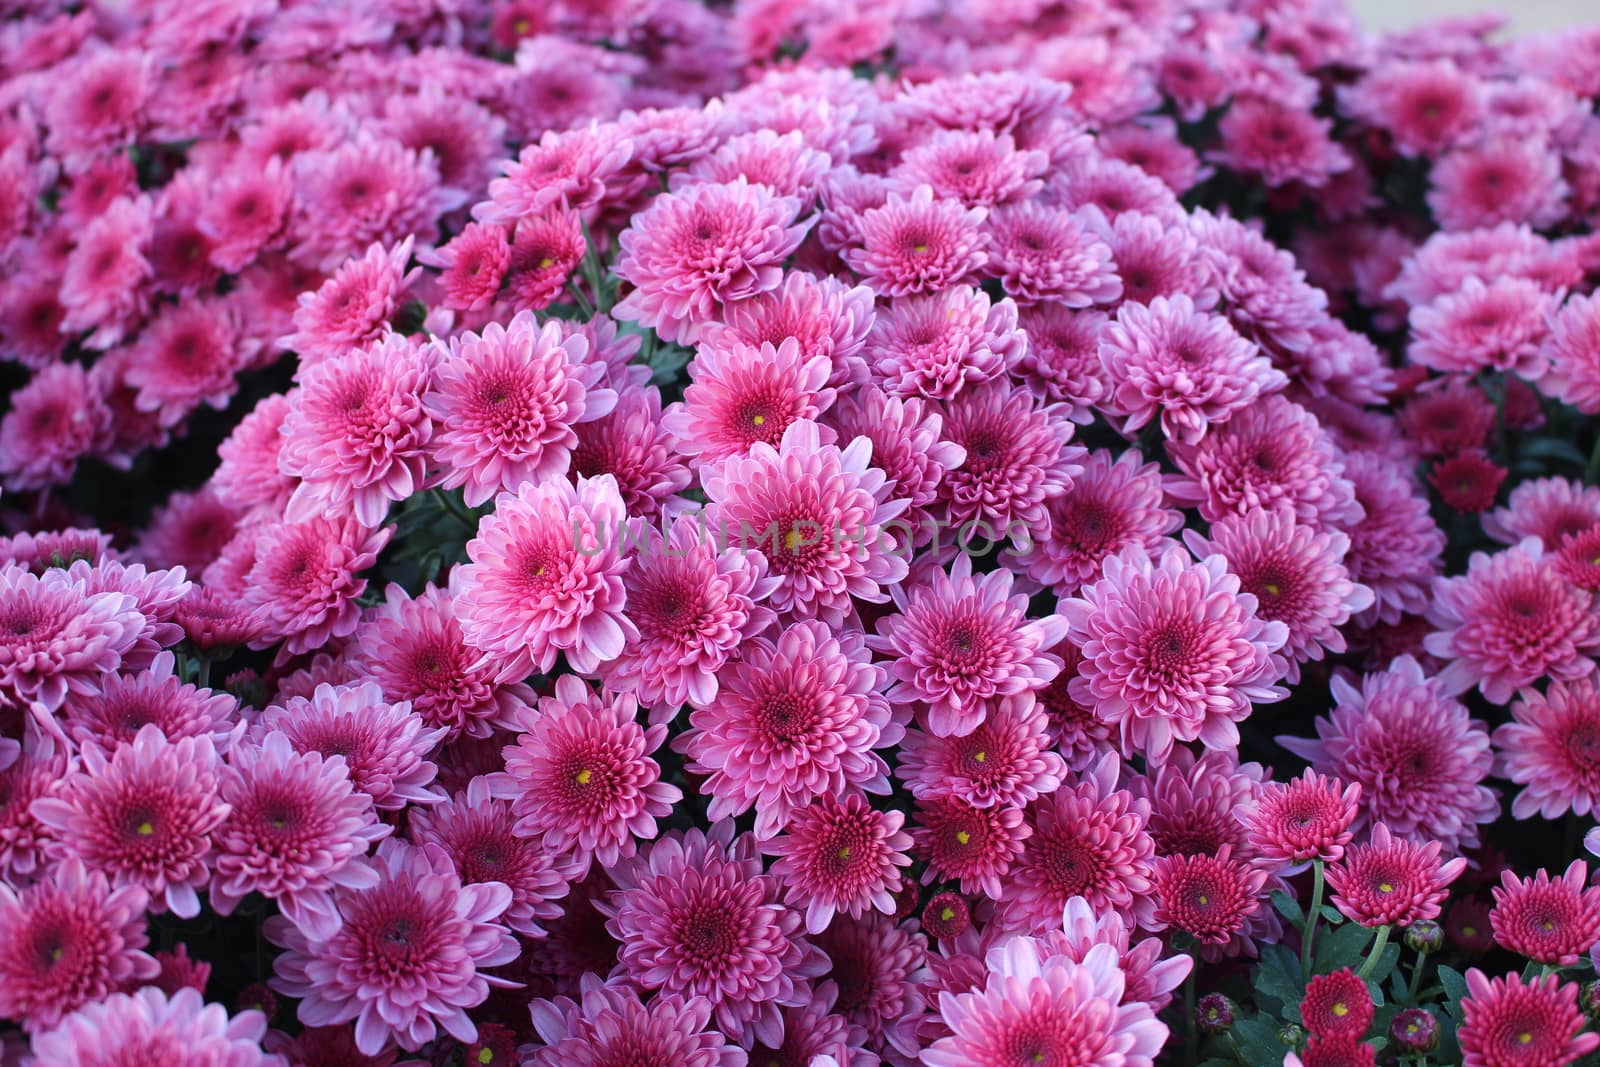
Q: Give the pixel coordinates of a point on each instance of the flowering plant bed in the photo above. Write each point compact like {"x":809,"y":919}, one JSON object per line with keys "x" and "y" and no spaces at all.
{"x":593,"y":533}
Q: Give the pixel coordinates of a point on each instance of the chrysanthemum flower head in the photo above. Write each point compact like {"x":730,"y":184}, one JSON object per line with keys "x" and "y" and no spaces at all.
{"x":56,"y":638}
{"x":1498,"y":326}
{"x":1550,"y":509}
{"x":975,"y":847}
{"x":301,"y":584}
{"x":1551,"y":747}
{"x":1004,"y":760}
{"x":938,"y":344}
{"x":917,"y":243}
{"x":1307,"y":818}
{"x":144,"y":815}
{"x":1548,"y":920}
{"x":407,"y":958}
{"x":1047,"y":255}
{"x":840,"y":856}
{"x":741,"y":394}
{"x":581,"y":775}
{"x":546,"y":575}
{"x":354,"y":308}
{"x":1209,"y":897}
{"x":1396,"y":548}
{"x":610,"y":1024}
{"x":1337,"y":1005}
{"x":1508,"y":1021}
{"x":1390,"y":881}
{"x":151,"y":1026}
{"x":1572,"y":355}
{"x":821,"y":314}
{"x":128,"y":701}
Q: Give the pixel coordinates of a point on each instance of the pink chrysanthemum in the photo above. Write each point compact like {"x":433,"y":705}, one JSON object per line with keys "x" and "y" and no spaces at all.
{"x":545,"y":250}
{"x":1572,"y":355}
{"x":630,"y":445}
{"x":1454,"y":417}
{"x":150,"y":1026}
{"x":472,"y":266}
{"x":567,"y":167}
{"x":546,"y":575}
{"x":795,"y":718}
{"x":976,"y":167}
{"x":144,"y":816}
{"x":817,"y":513}
{"x":1509,"y":1023}
{"x":694,"y":251}
{"x":54,"y":420}
{"x":302,"y":586}
{"x":369,"y":189}
{"x":1188,"y":366}
{"x":1551,"y":509}
{"x":1390,"y":881}
{"x":505,"y":403}
{"x":1150,"y":979}
{"x":352,"y":309}
{"x":1297,"y":575}
{"x":1498,"y":326}
{"x":384,"y":746}
{"x":1498,"y":179}
{"x":1270,"y":455}
{"x":98,"y":101}
{"x":958,"y":643}
{"x":187,"y":356}
{"x":974,"y":847}
{"x":1088,"y":841}
{"x":1004,"y":761}
{"x":1417,"y":753}
{"x":1062,"y":363}
{"x":1078,"y":735}
{"x":414,"y":650}
{"x":821,"y":314}
{"x":1308,"y":818}
{"x":1511,"y":620}
{"x":783,"y":162}
{"x":1279,"y":142}
{"x":248,"y":475}
{"x":1210,"y":898}
{"x":610,"y":1026}
{"x":188,"y":531}
{"x":1467,"y":482}
{"x":1337,"y":1005}
{"x":581,"y":774}
{"x":24,"y":840}
{"x":104,"y":288}
{"x":245,"y":213}
{"x":356,"y":433}
{"x":740,"y":394}
{"x":408,"y":956}
{"x":1048,"y":1009}
{"x":880,"y":966}
{"x":1553,"y":921}
{"x":918,"y":244}
{"x":1019,"y":459}
{"x":1194,"y":802}
{"x":1396,"y":548}
{"x":1552,"y":749}
{"x":840,"y":856}
{"x":1173,"y":651}
{"x":297,"y":830}
{"x":1156,"y":257}
{"x":1112,"y":505}
{"x":906,"y":446}
{"x":694,"y":608}
{"x":937,"y":345}
{"x":1578,"y":559}
{"x":127,"y":702}
{"x":57,"y":638}
{"x":478,"y":832}
{"x":68,"y":940}
{"x":1424,"y":106}
{"x":1047,"y":255}
{"x":697,"y":918}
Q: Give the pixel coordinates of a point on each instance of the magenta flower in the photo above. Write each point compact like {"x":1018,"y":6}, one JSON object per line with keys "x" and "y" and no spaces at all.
{"x":68,"y":940}
{"x":1308,"y":818}
{"x":1209,"y":897}
{"x":144,"y":816}
{"x":936,"y":345}
{"x":693,"y":251}
{"x":1391,"y":881}
{"x":918,"y":244}
{"x":1173,"y":651}
{"x":505,"y":403}
{"x":974,"y":847}
{"x":796,"y":717}
{"x":546,"y":576}
{"x":1047,"y":255}
{"x":1004,"y":761}
{"x":1554,"y":921}
{"x":581,"y":775}
{"x":1552,"y":749}
{"x":820,"y":314}
{"x":1572,"y":355}
{"x":1396,"y":548}
{"x":742,"y":394}
{"x":302,"y":587}
{"x":609,"y":1024}
{"x":57,"y":638}
{"x":152,"y":1026}
{"x":407,"y":958}
{"x":1498,"y":326}
{"x":128,"y":701}
{"x":840,"y":856}
{"x":1537,"y":1022}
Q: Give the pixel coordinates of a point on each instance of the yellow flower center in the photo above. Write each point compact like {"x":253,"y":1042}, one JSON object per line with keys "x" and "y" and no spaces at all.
{"x":485,"y":1055}
{"x":1341,"y":1009}
{"x":544,"y":264}
{"x":145,"y":829}
{"x":980,"y":757}
{"x":962,"y":837}
{"x":584,"y":777}
{"x":1272,"y":588}
{"x":946,"y":914}
{"x":844,"y":853}
{"x":758,"y":420}
{"x":1385,"y":887}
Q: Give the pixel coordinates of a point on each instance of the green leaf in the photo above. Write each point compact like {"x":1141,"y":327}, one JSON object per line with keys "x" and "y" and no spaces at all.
{"x":1289,"y":908}
{"x":1278,"y":979}
{"x":1455,"y":990}
{"x":1332,"y":915}
{"x":1342,"y":947}
{"x":1258,"y":1040}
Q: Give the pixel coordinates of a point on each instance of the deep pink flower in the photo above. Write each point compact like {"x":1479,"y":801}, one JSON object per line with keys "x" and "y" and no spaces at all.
{"x":297,"y":829}
{"x":1396,"y":548}
{"x":477,"y":830}
{"x":1188,"y":366}
{"x":1553,"y":921}
{"x":97,"y":102}
{"x":1173,"y":651}
{"x":694,"y":608}
{"x":370,"y":188}
{"x":24,"y":840}
{"x":1047,"y":255}
{"x":1551,"y":509}
{"x":1004,"y":761}
{"x":128,"y":701}
{"x":630,"y":445}
{"x":1062,"y":361}
{"x":822,"y":314}
{"x":1424,"y":106}
{"x":150,"y":1026}
{"x":782,"y":162}
{"x":1195,"y":800}
{"x":1210,"y":898}
{"x":818,"y":514}
{"x":58,"y":638}
{"x":1454,"y":417}
{"x":407,"y":957}
{"x":248,"y":475}
{"x":384,"y":746}
{"x":144,"y":816}
{"x":796,"y":717}
{"x":1571,"y":355}
{"x":55,"y":420}
{"x":567,"y":167}
{"x":977,"y":167}
{"x":581,"y":775}
{"x":1511,"y":620}
{"x":356,"y":433}
{"x":1552,"y":749}
{"x":245,"y":212}
{"x":302,"y":586}
{"x":938,"y":344}
{"x":974,"y":847}
{"x":694,"y":251}
{"x":1307,"y":818}
{"x":188,"y":531}
{"x":1467,"y":482}
{"x":545,"y":250}
{"x":696,"y":917}
{"x":104,"y":286}
{"x":918,"y":244}
{"x":354,"y":308}
{"x":1390,"y":881}
{"x":881,"y":966}
{"x":1511,"y":1023}
{"x":1089,"y":841}
{"x":740,"y":394}
{"x":68,"y":940}
{"x":546,"y":575}
{"x":610,"y":1025}
{"x":840,"y":856}
{"x":1337,"y":1005}
{"x":1496,"y":326}
{"x":472,"y":265}
{"x":187,"y":356}
{"x":1498,"y":179}
{"x":1279,"y":142}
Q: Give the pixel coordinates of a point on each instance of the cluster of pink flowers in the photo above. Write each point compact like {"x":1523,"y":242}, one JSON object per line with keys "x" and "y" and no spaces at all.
{"x":613,"y":532}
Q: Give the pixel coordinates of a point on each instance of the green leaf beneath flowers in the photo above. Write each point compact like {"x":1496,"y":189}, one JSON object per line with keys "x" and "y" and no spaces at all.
{"x":1289,"y":908}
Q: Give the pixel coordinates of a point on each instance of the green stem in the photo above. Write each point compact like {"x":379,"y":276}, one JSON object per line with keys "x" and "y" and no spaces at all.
{"x":1377,"y":950}
{"x":203,"y":678}
{"x":1311,"y":919}
{"x":1546,"y":971}
{"x":1416,"y":977}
